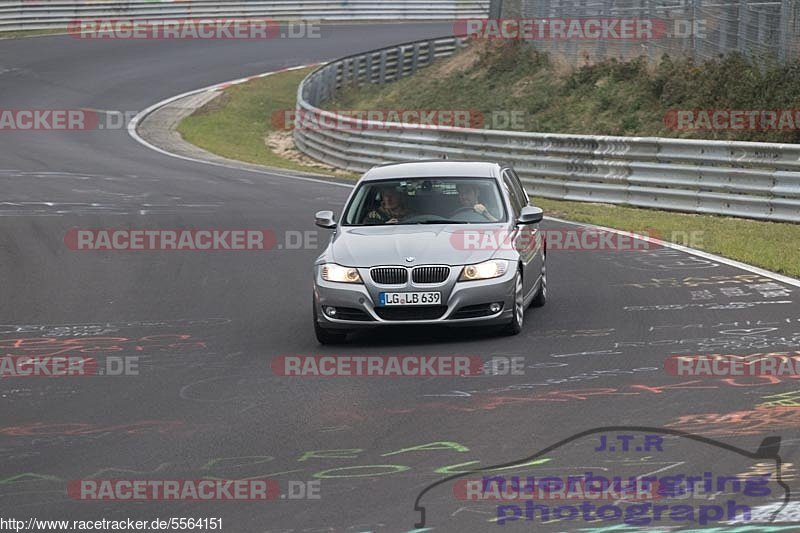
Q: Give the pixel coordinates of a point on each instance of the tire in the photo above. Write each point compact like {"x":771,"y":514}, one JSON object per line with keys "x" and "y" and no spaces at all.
{"x":517,"y":320}
{"x":327,"y":336}
{"x":541,"y":295}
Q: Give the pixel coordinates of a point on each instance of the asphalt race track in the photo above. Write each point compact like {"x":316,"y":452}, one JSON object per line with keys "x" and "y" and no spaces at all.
{"x":205,"y":327}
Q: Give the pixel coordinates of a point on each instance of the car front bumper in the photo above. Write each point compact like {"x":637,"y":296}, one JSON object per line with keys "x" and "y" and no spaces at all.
{"x":359,"y":300}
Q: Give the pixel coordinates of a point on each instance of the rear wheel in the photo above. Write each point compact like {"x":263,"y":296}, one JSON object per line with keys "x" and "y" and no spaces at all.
{"x":327,"y":336}
{"x":541,"y":295}
{"x":515,"y":326}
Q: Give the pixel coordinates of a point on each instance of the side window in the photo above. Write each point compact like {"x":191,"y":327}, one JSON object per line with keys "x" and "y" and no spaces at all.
{"x":516,"y":202}
{"x":356,"y":211}
{"x":519,"y":187}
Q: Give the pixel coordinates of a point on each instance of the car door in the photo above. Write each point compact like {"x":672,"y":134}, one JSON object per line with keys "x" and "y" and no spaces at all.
{"x":529,"y":239}
{"x":526,"y":237}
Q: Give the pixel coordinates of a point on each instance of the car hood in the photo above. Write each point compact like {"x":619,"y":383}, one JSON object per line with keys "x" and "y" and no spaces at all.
{"x":368,"y":246}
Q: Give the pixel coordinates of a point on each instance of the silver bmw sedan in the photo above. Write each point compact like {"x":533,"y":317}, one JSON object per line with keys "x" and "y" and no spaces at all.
{"x":430,"y":242}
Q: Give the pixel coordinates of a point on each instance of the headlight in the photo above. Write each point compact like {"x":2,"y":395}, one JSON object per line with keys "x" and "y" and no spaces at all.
{"x":486,"y":270}
{"x":332,"y":272}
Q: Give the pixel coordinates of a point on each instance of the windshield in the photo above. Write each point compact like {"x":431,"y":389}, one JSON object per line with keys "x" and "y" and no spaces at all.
{"x":426,"y":201}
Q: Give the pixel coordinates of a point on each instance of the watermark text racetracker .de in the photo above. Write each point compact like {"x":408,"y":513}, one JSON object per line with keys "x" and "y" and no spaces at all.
{"x":579,"y":29}
{"x":61,"y":120}
{"x":581,"y":239}
{"x":192,"y":490}
{"x":764,"y":120}
{"x":776,"y":364}
{"x":396,"y":366}
{"x":213,"y":239}
{"x":586,"y":487}
{"x":56,"y":366}
{"x":202,"y":29}
{"x":398,"y":119}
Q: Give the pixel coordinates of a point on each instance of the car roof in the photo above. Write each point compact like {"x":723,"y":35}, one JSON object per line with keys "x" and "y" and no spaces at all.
{"x":434,"y":168}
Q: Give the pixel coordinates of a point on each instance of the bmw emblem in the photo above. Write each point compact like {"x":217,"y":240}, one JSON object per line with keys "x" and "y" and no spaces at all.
{"x":410,"y":259}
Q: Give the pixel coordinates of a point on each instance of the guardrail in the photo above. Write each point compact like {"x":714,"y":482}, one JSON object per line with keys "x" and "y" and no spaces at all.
{"x":744,"y":179}
{"x":46,"y":14}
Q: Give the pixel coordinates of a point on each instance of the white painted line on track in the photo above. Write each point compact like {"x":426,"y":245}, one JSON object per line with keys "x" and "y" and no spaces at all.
{"x":135,"y":121}
{"x":705,"y":255}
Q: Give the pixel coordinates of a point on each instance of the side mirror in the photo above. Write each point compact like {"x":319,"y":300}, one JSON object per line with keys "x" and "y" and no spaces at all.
{"x":325,"y":219}
{"x":530,"y":215}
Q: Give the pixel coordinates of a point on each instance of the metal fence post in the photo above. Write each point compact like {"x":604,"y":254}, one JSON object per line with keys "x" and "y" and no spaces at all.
{"x":332,"y":82}
{"x":651,"y":12}
{"x":783,"y":31}
{"x":314,"y":97}
{"x":431,"y":51}
{"x":382,"y":77}
{"x":570,"y":46}
{"x":695,"y":26}
{"x":370,"y":68}
{"x":496,"y":9}
{"x":359,"y":78}
{"x":762,"y":28}
{"x":401,"y":61}
{"x":722,"y":42}
{"x":346,"y":72}
{"x":602,"y":46}
{"x":744,"y":19}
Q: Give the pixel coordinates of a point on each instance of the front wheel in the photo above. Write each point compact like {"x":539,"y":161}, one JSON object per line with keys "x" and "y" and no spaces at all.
{"x":515,"y":326}
{"x":327,"y":336}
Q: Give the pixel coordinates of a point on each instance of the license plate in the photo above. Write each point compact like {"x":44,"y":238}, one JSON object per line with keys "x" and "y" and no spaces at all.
{"x":410,"y":298}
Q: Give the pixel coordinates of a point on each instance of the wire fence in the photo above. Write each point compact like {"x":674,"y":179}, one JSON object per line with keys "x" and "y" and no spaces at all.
{"x":762,"y":30}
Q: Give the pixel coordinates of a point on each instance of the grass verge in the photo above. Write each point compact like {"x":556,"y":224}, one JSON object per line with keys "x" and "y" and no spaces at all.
{"x":31,"y":33}
{"x":774,"y":246}
{"x":236,"y":125}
